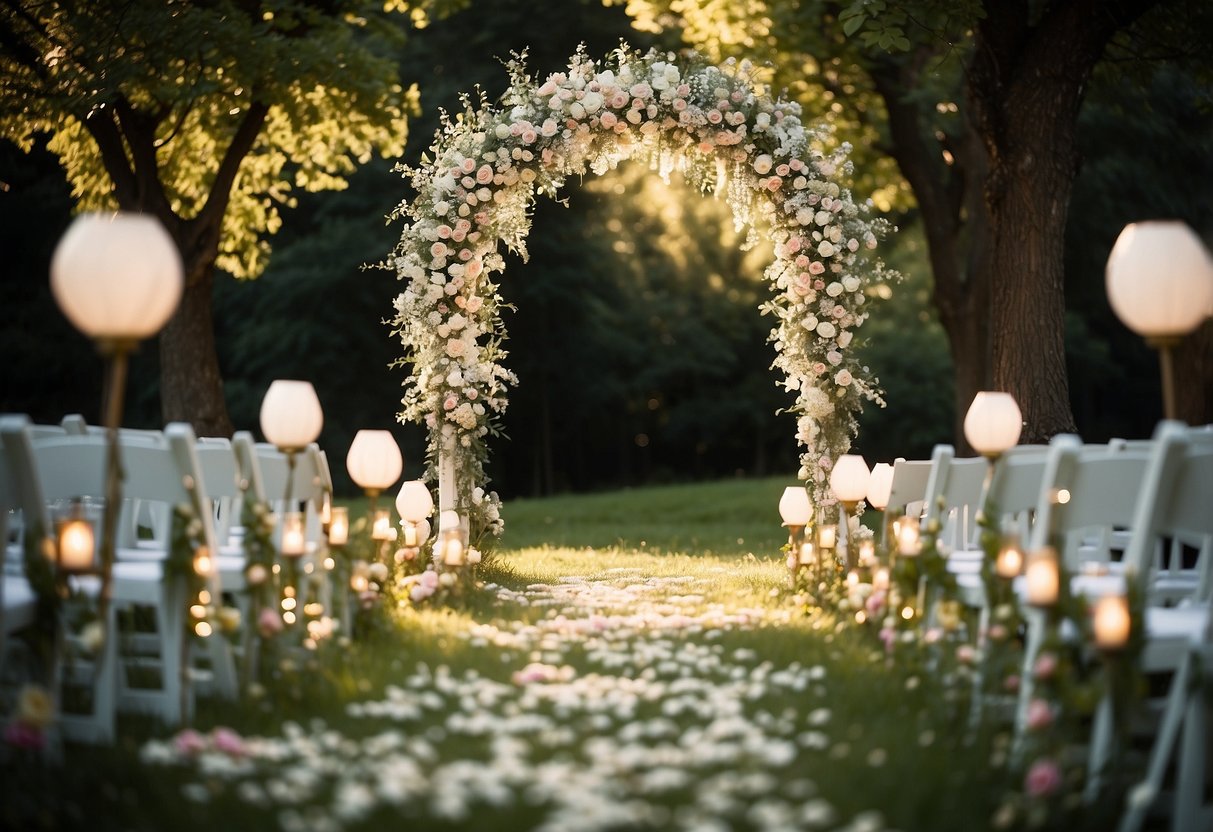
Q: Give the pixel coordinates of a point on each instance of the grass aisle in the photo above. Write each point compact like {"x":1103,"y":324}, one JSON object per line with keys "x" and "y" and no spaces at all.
{"x":582,"y":689}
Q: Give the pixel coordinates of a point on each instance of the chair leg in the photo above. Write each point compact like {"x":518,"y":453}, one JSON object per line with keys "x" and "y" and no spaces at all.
{"x":1100,"y":749}
{"x":1160,"y":754}
{"x":1190,"y":808}
{"x":1035,"y":620}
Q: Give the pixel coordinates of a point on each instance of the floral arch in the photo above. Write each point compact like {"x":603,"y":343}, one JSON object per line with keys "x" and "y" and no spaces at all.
{"x":485,"y":169}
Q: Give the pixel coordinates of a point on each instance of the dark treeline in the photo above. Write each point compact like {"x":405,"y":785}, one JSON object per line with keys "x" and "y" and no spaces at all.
{"x":636,"y":336}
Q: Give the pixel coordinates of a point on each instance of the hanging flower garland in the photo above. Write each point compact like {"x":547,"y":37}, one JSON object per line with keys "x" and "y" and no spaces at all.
{"x":476,"y":187}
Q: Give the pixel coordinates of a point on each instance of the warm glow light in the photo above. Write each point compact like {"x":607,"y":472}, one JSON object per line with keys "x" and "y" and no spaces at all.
{"x":849,"y":478}
{"x":381,"y":526}
{"x":867,"y":553}
{"x":203,"y":565}
{"x":1063,"y":496}
{"x":409,"y":534}
{"x":880,"y":580}
{"x":1112,"y":622}
{"x":1042,"y":578}
{"x":293,"y":542}
{"x":117,"y":276}
{"x":1159,"y":278}
{"x":993,"y":423}
{"x":1010,"y":560}
{"x":339,"y":526}
{"x":794,"y":506}
{"x":202,"y":629}
{"x":414,"y":501}
{"x":77,"y":544}
{"x":907,"y":538}
{"x":827,"y":536}
{"x":374,"y":461}
{"x":907,"y":613}
{"x":452,"y":548}
{"x":806,"y":553}
{"x":880,"y":485}
{"x":291,"y":417}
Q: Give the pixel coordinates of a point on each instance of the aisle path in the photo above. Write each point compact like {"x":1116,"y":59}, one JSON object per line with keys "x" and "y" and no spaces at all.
{"x":626,"y":705}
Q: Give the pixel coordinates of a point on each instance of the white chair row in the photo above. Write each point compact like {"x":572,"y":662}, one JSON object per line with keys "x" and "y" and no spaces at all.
{"x":42,"y":465}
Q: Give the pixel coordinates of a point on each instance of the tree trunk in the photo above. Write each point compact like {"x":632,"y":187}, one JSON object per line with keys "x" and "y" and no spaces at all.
{"x":1032,"y":174}
{"x":1194,"y":377}
{"x":191,"y":387}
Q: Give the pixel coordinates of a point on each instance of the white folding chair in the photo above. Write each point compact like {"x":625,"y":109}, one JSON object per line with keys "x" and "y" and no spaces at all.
{"x":18,"y":603}
{"x":98,"y":675}
{"x":158,"y":475}
{"x":906,"y":492}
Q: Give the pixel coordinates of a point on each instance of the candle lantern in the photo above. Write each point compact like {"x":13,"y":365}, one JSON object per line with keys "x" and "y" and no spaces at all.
{"x":1009,"y":562}
{"x":1112,"y":622}
{"x":381,"y":524}
{"x":1042,"y":577}
{"x":75,"y":541}
{"x":294,"y":543}
{"x":827,"y":536}
{"x":339,"y":526}
{"x":908,"y":542}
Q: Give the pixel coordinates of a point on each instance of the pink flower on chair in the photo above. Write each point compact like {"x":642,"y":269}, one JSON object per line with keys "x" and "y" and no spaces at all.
{"x":227,"y":741}
{"x":269,"y":622}
{"x":1043,"y":778}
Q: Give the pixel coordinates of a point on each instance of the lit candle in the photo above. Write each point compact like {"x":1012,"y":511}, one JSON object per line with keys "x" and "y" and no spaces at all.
{"x":852,"y":578}
{"x":381,"y":528}
{"x":806,"y":553}
{"x":339,"y":526}
{"x":76,"y":545}
{"x":907,"y":539}
{"x":293,"y":544}
{"x":203,"y":565}
{"x":452,"y":549}
{"x":1111,"y":622}
{"x":410,"y":534}
{"x":326,"y":511}
{"x":881,"y":579}
{"x":867,"y":553}
{"x":1010,"y":560}
{"x":827,"y":537}
{"x":1042,"y":578}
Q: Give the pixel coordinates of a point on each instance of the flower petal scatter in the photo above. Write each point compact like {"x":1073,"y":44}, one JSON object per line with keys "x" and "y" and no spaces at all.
{"x":665,"y":726}
{"x":486,"y":168}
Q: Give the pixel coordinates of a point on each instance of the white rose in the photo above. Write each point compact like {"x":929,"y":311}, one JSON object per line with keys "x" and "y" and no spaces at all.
{"x":576,"y":110}
{"x":455,"y":378}
{"x":592,"y":102}
{"x":823,"y":218}
{"x":502,"y":131}
{"x":833,"y":290}
{"x":851,"y":283}
{"x":826,"y":329}
{"x":810,"y":323}
{"x":762,"y":164}
{"x":844,"y":338}
{"x":826,"y":249}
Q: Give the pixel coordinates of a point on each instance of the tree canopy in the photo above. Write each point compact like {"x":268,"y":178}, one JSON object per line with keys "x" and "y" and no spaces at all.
{"x":209,"y":115}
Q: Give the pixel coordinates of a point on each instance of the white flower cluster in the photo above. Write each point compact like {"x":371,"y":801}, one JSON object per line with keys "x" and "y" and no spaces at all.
{"x":488,"y":166}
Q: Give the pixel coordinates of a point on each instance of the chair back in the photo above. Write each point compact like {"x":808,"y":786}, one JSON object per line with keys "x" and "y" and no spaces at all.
{"x":953,"y":495}
{"x":1175,"y":502}
{"x":219,"y":470}
{"x":1087,"y":488}
{"x":1015,"y":487}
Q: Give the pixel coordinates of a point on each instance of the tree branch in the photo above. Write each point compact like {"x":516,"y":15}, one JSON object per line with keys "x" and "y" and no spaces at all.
{"x":104,"y":130}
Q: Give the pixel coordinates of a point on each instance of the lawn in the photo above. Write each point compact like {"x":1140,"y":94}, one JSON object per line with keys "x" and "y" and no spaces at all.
{"x":644,"y":668}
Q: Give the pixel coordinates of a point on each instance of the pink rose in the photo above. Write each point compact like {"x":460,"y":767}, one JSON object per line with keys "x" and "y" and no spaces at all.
{"x":444,"y":232}
{"x":965,"y":654}
{"x":529,"y":136}
{"x":468,"y":165}
{"x":189,"y":742}
{"x":1011,"y":683}
{"x":774,"y":183}
{"x":227,"y":741}
{"x":1045,"y":666}
{"x":450,"y":402}
{"x":1043,"y":778}
{"x":816,"y":267}
{"x":783,"y":170}
{"x":609,"y":120}
{"x":23,"y":735}
{"x":715,"y":116}
{"x":438,"y":249}
{"x":269,"y":622}
{"x":455,"y":347}
{"x":1040,"y":715}
{"x":842,"y":378}
{"x":819,"y":368}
